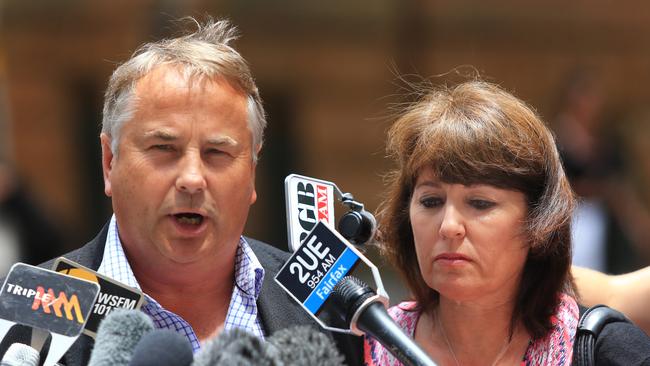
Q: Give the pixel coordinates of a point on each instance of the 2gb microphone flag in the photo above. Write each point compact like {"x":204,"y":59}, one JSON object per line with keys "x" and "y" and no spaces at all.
{"x":317,"y":266}
{"x":308,"y":201}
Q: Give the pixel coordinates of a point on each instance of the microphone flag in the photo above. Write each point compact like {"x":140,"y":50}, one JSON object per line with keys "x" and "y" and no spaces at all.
{"x":308,"y":201}
{"x":48,"y":300}
{"x":313,"y":270}
{"x":112,"y":294}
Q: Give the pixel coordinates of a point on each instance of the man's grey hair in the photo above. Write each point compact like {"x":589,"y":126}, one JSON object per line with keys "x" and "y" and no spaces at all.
{"x":204,"y":53}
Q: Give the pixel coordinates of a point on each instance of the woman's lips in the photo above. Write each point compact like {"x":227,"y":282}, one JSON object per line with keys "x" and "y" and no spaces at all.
{"x":451,"y":259}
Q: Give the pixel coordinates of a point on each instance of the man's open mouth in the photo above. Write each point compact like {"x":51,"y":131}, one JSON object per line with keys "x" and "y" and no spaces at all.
{"x":189,"y":218}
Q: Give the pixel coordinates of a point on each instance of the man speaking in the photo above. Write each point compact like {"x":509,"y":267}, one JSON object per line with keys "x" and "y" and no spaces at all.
{"x":182,"y":128}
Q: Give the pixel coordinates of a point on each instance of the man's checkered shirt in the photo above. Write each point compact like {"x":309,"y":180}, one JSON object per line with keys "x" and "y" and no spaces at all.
{"x":242,"y":311}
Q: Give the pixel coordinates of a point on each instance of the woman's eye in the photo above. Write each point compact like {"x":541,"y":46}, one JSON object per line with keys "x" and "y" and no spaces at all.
{"x":481,"y":204}
{"x":431,"y":202}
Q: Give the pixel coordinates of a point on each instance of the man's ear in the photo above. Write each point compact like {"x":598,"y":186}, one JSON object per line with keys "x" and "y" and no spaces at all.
{"x":253,"y":197}
{"x":107,"y":162}
{"x":258,"y":150}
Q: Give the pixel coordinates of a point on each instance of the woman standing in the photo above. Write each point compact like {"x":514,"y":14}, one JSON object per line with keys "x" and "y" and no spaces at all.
{"x":477,"y":220}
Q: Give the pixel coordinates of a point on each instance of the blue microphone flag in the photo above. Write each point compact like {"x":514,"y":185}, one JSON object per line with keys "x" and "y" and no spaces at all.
{"x":313,"y":270}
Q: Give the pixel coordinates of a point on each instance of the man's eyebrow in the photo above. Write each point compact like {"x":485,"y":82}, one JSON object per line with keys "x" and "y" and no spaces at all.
{"x":160,"y":134}
{"x":169,"y":136}
{"x":222,"y":140}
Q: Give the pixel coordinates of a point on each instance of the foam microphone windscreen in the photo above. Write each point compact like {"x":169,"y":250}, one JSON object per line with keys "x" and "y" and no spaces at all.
{"x":117,"y":336}
{"x":236,"y":347}
{"x":162,"y":347}
{"x":305,"y":345}
{"x":19,"y":354}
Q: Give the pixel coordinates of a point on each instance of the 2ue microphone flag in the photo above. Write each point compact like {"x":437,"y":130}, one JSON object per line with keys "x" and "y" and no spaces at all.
{"x":313,"y":270}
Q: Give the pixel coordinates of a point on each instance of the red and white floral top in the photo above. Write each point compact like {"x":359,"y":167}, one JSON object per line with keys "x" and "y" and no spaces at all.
{"x":556,"y":349}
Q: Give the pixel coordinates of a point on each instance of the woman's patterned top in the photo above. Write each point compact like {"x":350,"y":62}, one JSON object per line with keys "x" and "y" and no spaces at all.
{"x":556,"y":349}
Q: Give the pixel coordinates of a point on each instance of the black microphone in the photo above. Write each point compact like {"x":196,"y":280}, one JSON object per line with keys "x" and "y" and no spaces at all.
{"x":162,"y":347}
{"x":305,"y":345}
{"x":117,"y":336}
{"x":19,"y":354}
{"x":358,"y":306}
{"x":237,"y":347}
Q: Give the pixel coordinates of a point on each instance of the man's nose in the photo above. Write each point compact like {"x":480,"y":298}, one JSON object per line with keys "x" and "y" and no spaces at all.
{"x":191,"y":178}
{"x":452,"y":225}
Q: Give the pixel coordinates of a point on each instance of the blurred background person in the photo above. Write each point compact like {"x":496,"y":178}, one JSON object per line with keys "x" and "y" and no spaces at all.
{"x":9,"y":245}
{"x":611,"y":224}
{"x":27,"y":233}
{"x":628,"y":292}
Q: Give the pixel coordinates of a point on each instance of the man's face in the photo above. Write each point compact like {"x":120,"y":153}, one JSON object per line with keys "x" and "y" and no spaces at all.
{"x":182,"y":180}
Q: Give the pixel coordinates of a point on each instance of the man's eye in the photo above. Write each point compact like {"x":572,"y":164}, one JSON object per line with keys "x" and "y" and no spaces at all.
{"x":431,"y":202}
{"x":214,"y":152}
{"x":481,"y":204}
{"x":163,"y":147}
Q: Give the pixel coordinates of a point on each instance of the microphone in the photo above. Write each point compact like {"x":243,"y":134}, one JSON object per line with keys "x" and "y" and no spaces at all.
{"x":358,"y":305}
{"x":237,"y":347}
{"x":357,"y":225}
{"x":305,"y":345}
{"x":117,"y":337}
{"x":162,"y":347}
{"x":112,"y":294}
{"x":295,"y":346}
{"x":50,"y":301}
{"x":20,"y":354}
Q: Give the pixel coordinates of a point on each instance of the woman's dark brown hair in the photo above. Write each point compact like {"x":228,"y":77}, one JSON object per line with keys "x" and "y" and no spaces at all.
{"x":477,"y":133}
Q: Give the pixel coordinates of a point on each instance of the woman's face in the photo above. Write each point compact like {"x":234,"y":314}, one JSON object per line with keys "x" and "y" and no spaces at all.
{"x":469,"y":240}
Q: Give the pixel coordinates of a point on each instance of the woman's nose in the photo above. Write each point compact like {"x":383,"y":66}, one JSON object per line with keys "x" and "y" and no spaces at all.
{"x":452,"y":225}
